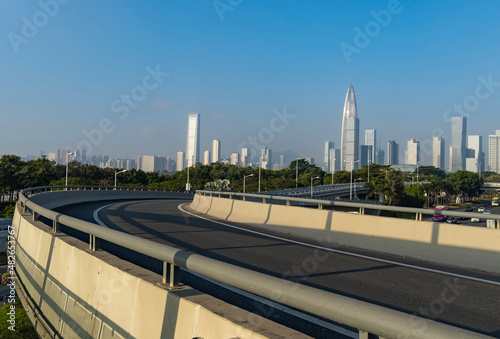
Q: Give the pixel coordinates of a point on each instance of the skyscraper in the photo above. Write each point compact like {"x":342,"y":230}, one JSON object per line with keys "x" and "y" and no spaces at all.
{"x":371,"y":140}
{"x":282,"y":161}
{"x":245,"y":156}
{"x":475,"y":155}
{"x":392,"y":153}
{"x":193,"y":139}
{"x":334,"y":160}
{"x":412,"y":154}
{"x":180,"y":161}
{"x":379,"y":157}
{"x":349,"y":152}
{"x":438,"y":152}
{"x":458,"y":142}
{"x":494,"y":152}
{"x":206,"y":157}
{"x":328,"y":146}
{"x":266,"y":157}
{"x":216,"y":150}
{"x":235,"y":158}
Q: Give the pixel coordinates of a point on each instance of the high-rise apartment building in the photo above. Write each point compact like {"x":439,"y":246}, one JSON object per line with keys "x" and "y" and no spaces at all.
{"x":193,"y":139}
{"x":475,"y":155}
{"x":438,"y":152}
{"x":147,"y":163}
{"x":216,"y":150}
{"x":392,"y":153}
{"x":412,"y":154}
{"x":206,"y":157}
{"x":494,"y":152}
{"x":180,"y":161}
{"x":349,"y":153}
{"x":267,"y":158}
{"x":371,"y":140}
{"x":459,"y":142}
{"x":245,"y":156}
{"x":235,"y":158}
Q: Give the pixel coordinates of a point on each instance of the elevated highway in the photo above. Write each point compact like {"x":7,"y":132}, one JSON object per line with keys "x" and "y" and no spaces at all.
{"x":400,"y":284}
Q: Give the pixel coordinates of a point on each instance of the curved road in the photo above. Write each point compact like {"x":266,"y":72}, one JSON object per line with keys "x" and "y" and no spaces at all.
{"x":461,"y":298}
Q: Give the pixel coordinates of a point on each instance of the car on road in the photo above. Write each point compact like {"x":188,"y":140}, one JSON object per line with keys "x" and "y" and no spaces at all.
{"x":475,"y":219}
{"x":480,"y":209}
{"x":487,"y":212}
{"x":469,"y":209}
{"x":438,"y":217}
{"x":451,"y":220}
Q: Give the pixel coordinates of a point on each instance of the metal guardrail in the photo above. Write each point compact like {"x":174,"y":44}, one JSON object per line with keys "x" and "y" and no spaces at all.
{"x":368,"y":318}
{"x":362,"y":206}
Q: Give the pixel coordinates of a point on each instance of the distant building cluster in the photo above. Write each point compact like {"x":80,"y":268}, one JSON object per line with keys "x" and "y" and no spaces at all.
{"x":464,"y":153}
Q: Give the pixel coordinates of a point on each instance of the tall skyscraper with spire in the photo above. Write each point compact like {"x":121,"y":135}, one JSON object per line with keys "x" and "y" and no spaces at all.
{"x":349,"y":151}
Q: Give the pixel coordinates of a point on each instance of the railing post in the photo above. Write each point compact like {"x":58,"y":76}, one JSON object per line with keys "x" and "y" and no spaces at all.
{"x":55,"y":226}
{"x":170,"y":274}
{"x":263,"y":200}
{"x":418,"y":216}
{"x":94,"y":243}
{"x":320,"y":206}
{"x":288,"y":202}
{"x":244,"y":198}
{"x":35,"y":216}
{"x":362,"y":210}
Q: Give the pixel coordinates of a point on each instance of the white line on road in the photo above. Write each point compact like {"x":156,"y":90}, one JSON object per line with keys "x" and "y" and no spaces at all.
{"x":344,"y":252}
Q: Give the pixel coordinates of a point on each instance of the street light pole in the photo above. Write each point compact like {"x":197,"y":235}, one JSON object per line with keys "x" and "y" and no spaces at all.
{"x":244,"y":177}
{"x":312,"y":185}
{"x":418,"y":162}
{"x":188,"y":187}
{"x":350,"y":186}
{"x":260,"y":165}
{"x":297,"y":173}
{"x":67,"y":163}
{"x":116,"y":173}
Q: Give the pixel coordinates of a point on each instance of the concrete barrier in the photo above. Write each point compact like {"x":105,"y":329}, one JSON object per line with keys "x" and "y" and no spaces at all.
{"x":83,"y":294}
{"x":463,"y":246}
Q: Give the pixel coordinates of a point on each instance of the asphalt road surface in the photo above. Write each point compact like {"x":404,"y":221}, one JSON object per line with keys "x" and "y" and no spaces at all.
{"x":459,"y":297}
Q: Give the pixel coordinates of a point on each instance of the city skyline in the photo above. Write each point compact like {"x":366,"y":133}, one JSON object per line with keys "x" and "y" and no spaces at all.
{"x":130,"y":97}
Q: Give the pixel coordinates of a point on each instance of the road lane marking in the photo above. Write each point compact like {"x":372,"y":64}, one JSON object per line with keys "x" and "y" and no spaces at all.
{"x":343,"y":252}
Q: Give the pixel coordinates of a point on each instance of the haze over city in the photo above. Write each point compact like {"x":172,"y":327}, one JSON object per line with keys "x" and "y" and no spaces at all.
{"x":135,"y":71}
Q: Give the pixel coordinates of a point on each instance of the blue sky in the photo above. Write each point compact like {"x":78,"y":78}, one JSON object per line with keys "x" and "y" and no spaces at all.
{"x":60,"y":79}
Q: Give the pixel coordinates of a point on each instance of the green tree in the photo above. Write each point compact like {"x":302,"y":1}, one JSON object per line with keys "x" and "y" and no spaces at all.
{"x":414,"y":195}
{"x":9,"y":180}
{"x":38,"y":172}
{"x":465,"y":183}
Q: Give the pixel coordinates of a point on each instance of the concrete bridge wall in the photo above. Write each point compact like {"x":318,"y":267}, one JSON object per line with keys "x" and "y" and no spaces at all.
{"x":463,"y":246}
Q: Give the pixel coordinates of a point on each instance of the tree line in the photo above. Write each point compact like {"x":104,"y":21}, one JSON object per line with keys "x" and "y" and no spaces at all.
{"x":383,"y":182}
